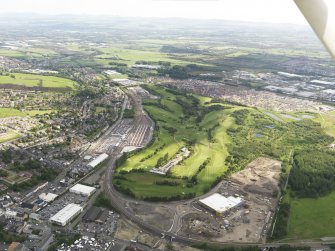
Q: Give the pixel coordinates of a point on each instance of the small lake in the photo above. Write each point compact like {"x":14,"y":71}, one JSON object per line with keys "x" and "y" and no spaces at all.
{"x":288,"y":116}
{"x":259,"y":135}
{"x":275,"y":117}
{"x":306,"y":116}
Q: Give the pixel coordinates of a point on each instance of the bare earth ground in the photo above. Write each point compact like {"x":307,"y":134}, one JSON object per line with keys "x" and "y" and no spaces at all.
{"x":147,"y":240}
{"x":126,"y":230}
{"x":257,"y":184}
{"x":158,"y":216}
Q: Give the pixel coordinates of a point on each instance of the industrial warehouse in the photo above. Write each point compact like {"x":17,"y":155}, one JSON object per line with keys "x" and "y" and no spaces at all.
{"x":82,"y":190}
{"x":98,"y":160}
{"x":67,"y":214}
{"x":96,"y":214}
{"x":220,"y":204}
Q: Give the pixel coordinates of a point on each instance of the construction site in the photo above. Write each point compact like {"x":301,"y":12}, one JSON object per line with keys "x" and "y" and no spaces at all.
{"x":257,"y":186}
{"x":239,"y":209}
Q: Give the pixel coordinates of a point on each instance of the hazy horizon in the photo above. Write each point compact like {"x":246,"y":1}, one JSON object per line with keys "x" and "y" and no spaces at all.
{"x":261,"y":11}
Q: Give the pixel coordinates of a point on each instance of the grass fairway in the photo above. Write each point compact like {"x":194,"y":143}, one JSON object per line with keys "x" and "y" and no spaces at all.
{"x":32,"y":80}
{"x":312,"y":218}
{"x":9,"y":112}
{"x":147,"y":186}
{"x":169,"y":113}
{"x":38,"y":52}
{"x":221,"y":138}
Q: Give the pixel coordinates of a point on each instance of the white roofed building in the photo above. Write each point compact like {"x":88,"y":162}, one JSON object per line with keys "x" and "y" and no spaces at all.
{"x":221,"y":204}
{"x":67,"y":214}
{"x":98,"y":160}
{"x":82,"y":190}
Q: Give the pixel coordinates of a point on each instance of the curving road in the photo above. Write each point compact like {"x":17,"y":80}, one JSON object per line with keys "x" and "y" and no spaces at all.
{"x":119,"y":201}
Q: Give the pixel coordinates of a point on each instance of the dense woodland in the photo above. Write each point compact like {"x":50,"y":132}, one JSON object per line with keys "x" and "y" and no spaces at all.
{"x":313,"y":173}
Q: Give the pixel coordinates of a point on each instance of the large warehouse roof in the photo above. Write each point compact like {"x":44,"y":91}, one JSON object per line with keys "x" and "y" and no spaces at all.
{"x":219,"y":203}
{"x":64,"y":215}
{"x":82,"y":189}
{"x":98,"y":160}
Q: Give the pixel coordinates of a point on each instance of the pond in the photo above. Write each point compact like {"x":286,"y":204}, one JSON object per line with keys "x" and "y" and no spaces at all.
{"x":275,"y":117}
{"x":288,"y":116}
{"x":306,"y":116}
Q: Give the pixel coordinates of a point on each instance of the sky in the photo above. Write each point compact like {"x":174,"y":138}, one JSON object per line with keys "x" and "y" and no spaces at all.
{"x":274,"y":11}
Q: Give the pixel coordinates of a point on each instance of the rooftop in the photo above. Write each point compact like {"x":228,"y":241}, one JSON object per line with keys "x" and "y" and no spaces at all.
{"x":98,"y":160}
{"x":219,"y":203}
{"x":79,"y":188}
{"x":66,"y":213}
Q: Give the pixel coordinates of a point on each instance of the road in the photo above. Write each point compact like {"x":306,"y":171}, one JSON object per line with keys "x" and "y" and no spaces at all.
{"x":106,"y":134}
{"x":62,"y":175}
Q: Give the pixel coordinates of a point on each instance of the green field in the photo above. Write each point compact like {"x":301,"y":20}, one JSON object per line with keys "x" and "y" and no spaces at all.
{"x":9,"y":136}
{"x":312,"y":218}
{"x":10,"y":112}
{"x":39,"y":112}
{"x":32,"y":80}
{"x":27,"y":52}
{"x":130,"y":56}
